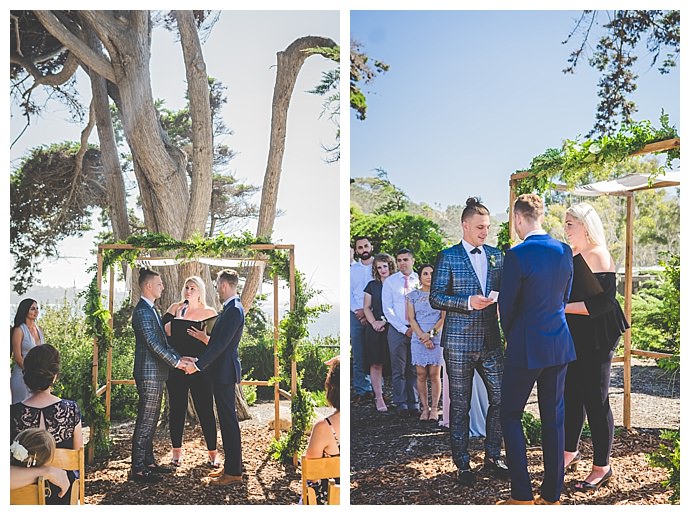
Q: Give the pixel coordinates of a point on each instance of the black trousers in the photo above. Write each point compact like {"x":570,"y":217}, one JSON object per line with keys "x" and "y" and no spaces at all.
{"x":179,"y":385}
{"x":587,"y":393}
{"x":229,"y":427}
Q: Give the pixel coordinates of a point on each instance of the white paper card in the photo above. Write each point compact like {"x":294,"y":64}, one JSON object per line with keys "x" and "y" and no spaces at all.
{"x":493,"y":295}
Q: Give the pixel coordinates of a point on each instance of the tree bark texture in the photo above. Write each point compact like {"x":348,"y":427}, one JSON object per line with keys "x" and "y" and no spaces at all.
{"x":290,"y":62}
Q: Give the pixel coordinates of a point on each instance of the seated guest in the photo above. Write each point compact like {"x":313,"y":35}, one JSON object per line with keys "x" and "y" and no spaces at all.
{"x":324,"y":441}
{"x":30,"y":451}
{"x":61,"y":418}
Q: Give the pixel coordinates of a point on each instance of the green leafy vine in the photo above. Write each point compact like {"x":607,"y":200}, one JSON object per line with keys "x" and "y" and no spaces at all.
{"x":293,"y":327}
{"x":577,"y":162}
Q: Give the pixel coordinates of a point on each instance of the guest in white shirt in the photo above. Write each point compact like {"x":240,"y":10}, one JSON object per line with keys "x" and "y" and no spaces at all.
{"x":404,"y":375}
{"x":360,"y":275}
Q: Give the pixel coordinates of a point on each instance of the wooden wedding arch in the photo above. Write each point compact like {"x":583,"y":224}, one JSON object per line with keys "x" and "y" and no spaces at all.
{"x":629,"y":194}
{"x":106,"y":389}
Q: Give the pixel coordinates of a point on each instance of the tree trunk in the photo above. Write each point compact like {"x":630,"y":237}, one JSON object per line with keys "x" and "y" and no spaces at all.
{"x":117,"y":204}
{"x":290,"y":62}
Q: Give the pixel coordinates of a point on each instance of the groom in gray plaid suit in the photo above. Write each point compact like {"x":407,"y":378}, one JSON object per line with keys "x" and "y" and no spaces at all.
{"x":464,"y":276}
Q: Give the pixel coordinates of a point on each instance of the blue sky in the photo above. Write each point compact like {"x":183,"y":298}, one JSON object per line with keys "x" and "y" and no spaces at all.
{"x":473,"y":96}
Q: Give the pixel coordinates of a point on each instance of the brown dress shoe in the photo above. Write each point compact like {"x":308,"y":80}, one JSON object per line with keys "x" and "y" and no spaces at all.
{"x":540,"y":500}
{"x":225,"y":480}
{"x":510,"y":500}
{"x":219,"y":472}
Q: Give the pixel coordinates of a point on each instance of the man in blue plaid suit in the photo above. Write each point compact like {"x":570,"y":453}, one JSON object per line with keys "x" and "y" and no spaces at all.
{"x":153,"y":358}
{"x":464,"y":276}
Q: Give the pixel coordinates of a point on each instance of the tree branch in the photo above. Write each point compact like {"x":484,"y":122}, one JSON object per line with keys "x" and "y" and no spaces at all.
{"x":82,"y":51}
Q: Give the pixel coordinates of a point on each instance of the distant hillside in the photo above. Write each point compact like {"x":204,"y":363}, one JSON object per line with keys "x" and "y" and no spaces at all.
{"x":327,"y":324}
{"x":372,"y":194}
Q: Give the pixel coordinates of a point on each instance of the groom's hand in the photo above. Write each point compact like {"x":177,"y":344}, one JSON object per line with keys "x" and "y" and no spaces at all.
{"x":480,"y":302}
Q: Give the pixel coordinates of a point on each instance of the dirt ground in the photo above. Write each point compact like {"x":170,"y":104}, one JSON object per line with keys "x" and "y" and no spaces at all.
{"x":405,"y":461}
{"x":266,"y":481}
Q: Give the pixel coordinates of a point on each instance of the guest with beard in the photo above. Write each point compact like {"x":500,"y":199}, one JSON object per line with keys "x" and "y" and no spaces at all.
{"x":360,"y":275}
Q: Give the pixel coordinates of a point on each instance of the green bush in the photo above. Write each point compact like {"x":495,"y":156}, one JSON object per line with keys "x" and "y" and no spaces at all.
{"x":64,"y":327}
{"x":668,"y":457}
{"x":312,"y":354}
{"x":249,"y":393}
{"x":531,"y":426}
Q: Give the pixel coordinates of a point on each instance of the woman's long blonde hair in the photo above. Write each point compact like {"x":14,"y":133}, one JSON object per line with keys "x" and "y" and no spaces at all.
{"x":199,"y":282}
{"x":594,"y":229}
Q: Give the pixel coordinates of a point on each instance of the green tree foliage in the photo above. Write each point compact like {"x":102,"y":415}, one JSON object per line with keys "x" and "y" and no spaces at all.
{"x":329,"y":88}
{"x":48,"y":203}
{"x":362,"y":72}
{"x":389,"y":232}
{"x":668,"y":457}
{"x":615,"y":56}
{"x":52,"y":196}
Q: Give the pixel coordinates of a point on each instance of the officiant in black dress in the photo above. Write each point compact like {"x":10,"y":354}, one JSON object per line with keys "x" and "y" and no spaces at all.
{"x":190,"y":340}
{"x":596,"y":322}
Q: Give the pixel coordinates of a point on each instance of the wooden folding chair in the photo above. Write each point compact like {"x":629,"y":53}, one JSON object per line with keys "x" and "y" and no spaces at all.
{"x":316,"y":469}
{"x":30,"y":494}
{"x":333,"y":492}
{"x":71,"y":459}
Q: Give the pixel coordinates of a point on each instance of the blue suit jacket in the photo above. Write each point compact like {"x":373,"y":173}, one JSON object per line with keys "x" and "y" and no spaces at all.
{"x":221,"y":360}
{"x":455,"y":280}
{"x":537,"y":277}
{"x":153,"y":357}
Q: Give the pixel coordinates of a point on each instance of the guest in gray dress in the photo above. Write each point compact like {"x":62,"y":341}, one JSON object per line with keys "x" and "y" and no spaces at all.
{"x":427,"y":355}
{"x":24,"y":336}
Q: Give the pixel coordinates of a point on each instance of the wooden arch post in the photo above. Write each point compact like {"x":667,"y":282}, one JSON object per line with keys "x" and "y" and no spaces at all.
{"x":659,"y":146}
{"x":107,"y":387}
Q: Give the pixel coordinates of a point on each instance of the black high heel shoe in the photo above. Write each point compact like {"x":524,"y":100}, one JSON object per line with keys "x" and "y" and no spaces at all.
{"x":572,"y":466}
{"x":584,"y":486}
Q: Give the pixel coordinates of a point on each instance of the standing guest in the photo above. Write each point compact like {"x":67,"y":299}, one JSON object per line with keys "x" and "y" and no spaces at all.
{"x":324,"y":441}
{"x":24,"y":336}
{"x":403,"y":374}
{"x":360,"y":275}
{"x":537,"y":278}
{"x":153,"y":358}
{"x":596,"y":324}
{"x":463,"y":278}
{"x":41,"y":409}
{"x":221,"y":362}
{"x":192,"y":343}
{"x":375,"y":333}
{"x":426,"y":323}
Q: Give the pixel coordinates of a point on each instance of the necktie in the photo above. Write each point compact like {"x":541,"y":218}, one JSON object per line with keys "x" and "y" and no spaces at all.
{"x":476,"y":250}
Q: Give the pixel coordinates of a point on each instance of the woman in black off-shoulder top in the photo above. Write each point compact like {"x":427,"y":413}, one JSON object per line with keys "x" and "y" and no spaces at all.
{"x":596,"y":324}
{"x":191,"y":307}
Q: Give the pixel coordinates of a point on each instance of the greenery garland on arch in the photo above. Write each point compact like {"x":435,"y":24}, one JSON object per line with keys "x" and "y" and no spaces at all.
{"x":293,"y":326}
{"x":579,"y":162}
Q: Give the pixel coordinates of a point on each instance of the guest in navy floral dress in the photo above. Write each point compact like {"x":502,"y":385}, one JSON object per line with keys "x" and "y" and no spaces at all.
{"x":426,"y":323}
{"x":61,"y":418}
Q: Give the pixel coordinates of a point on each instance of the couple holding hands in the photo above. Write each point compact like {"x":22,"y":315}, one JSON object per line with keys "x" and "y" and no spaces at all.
{"x":216,"y":356}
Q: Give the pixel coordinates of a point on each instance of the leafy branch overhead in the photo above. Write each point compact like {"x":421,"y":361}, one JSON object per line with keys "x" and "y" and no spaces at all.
{"x":362,"y":72}
{"x":614,"y":56}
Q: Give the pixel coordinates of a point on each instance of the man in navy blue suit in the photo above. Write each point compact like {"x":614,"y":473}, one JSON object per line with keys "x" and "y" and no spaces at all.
{"x":221,"y":363}
{"x":537,"y":277}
